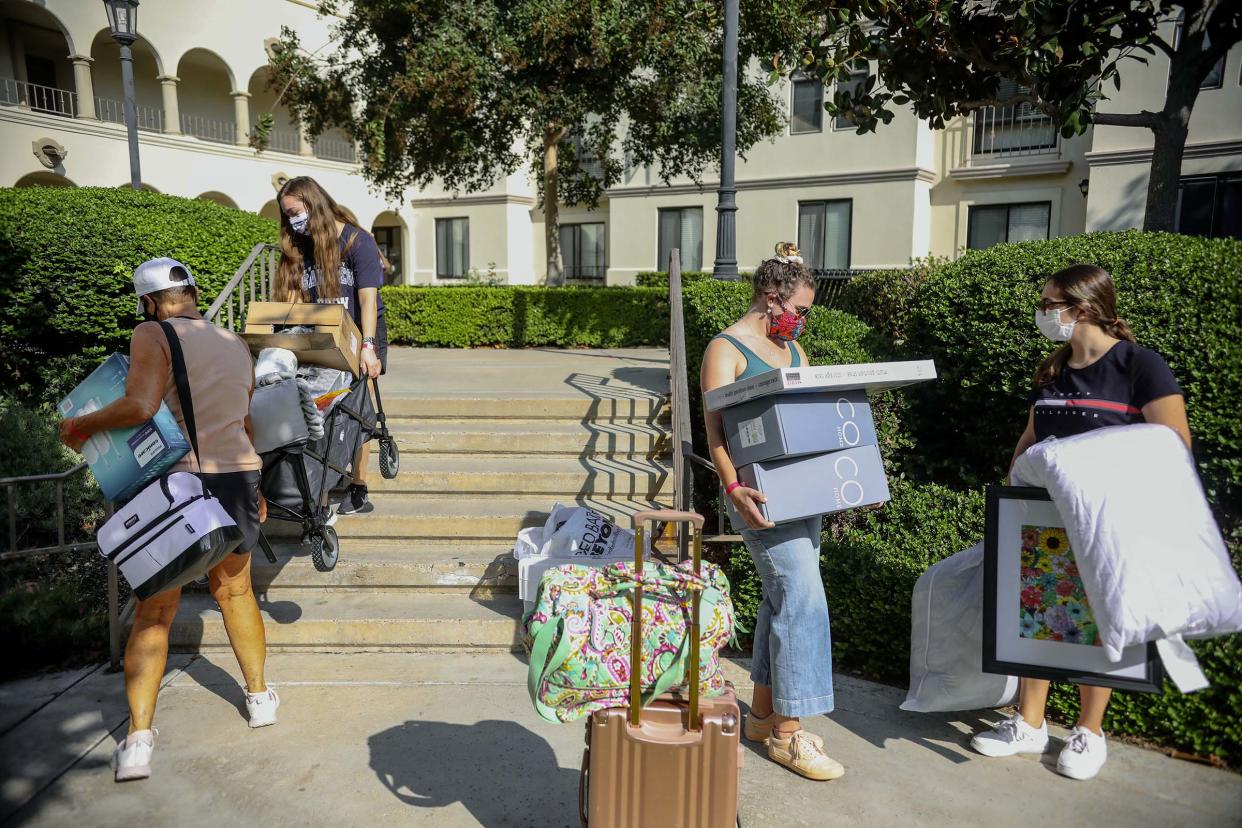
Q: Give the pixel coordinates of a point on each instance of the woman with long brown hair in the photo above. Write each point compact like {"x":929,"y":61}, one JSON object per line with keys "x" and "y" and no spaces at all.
{"x":327,"y":257}
{"x":1099,"y":377}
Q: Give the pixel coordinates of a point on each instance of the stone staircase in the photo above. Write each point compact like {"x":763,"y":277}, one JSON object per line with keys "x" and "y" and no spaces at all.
{"x":432,"y":567}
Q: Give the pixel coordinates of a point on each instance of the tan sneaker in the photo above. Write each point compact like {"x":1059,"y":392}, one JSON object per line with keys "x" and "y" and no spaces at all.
{"x":803,"y":753}
{"x":758,"y":729}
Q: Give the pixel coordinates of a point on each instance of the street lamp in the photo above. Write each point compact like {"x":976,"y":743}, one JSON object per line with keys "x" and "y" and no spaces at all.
{"x":725,"y":266}
{"x":123,"y":19}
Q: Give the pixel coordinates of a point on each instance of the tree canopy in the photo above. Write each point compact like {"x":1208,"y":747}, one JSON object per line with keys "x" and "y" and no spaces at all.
{"x":463,"y":92}
{"x":945,"y":58}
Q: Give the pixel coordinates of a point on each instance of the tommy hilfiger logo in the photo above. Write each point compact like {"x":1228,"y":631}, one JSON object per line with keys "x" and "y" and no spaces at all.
{"x":1098,"y":405}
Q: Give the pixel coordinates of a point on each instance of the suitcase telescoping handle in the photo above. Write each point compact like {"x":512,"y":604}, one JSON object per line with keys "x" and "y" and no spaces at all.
{"x":640,"y":521}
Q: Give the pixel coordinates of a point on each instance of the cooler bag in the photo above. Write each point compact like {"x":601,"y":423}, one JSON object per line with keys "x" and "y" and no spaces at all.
{"x":174,"y":530}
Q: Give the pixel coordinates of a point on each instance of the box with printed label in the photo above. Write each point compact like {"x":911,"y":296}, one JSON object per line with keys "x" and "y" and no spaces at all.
{"x":335,"y":342}
{"x":867,"y":376}
{"x":816,"y":484}
{"x":789,"y":425}
{"x":124,"y":460}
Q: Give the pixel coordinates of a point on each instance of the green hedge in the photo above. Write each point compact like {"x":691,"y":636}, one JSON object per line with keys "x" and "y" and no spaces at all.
{"x":659,"y":278}
{"x":68,"y":255}
{"x":884,"y":298}
{"x":517,"y":316}
{"x":53,"y":608}
{"x":1181,"y":295}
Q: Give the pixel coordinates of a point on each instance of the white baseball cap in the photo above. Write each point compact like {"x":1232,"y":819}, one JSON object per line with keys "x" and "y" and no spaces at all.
{"x":161,"y":274}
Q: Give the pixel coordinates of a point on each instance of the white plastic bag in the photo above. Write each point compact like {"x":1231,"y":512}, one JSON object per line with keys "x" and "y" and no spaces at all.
{"x":528,"y":543}
{"x":946,"y":640}
{"x":579,"y":532}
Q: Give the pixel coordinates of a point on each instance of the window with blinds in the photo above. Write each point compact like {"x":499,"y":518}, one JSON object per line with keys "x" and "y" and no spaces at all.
{"x":996,"y":223}
{"x":824,"y":234}
{"x":452,"y":247}
{"x":681,"y":227}
{"x":582,"y":250}
{"x":806,"y":106}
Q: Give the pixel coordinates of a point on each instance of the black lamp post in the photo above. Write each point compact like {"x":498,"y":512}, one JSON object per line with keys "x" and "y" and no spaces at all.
{"x":123,"y":18}
{"x":725,"y":266}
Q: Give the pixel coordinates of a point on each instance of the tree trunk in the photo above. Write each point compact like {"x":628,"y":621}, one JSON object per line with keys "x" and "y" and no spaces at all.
{"x":1170,"y":140}
{"x":555,"y":275}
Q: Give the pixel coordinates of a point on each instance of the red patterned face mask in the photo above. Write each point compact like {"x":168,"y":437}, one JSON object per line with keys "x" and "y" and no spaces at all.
{"x":785,"y":326}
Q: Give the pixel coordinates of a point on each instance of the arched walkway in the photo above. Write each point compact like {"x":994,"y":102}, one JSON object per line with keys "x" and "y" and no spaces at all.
{"x":270,"y":210}
{"x":206,"y":101}
{"x":391,"y":237}
{"x":218,"y":198}
{"x":34,"y":60}
{"x":109,"y":95}
{"x":44,"y":179}
{"x":284,"y":135}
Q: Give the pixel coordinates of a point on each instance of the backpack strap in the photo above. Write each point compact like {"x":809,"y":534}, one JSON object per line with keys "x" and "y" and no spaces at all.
{"x":182,"y":380}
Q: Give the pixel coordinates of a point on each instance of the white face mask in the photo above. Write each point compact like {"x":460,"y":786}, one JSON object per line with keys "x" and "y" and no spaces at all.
{"x":1051,"y":326}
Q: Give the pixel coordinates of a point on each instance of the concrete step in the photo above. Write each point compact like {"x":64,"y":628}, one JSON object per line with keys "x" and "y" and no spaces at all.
{"x":373,"y":619}
{"x":638,"y":407}
{"x":565,"y":437}
{"x":492,"y":517}
{"x":431,"y":567}
{"x":469,"y":475}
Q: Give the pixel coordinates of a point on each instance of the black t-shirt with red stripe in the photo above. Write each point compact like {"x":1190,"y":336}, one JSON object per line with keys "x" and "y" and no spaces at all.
{"x":1110,"y":391}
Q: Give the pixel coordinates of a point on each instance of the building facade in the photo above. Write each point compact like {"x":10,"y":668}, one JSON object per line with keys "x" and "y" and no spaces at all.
{"x":851,"y":202}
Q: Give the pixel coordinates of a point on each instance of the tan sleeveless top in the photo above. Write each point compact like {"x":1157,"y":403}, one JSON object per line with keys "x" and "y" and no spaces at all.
{"x":221,"y":374}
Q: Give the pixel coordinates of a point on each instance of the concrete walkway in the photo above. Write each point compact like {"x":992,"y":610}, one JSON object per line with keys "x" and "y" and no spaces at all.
{"x":452,"y":740}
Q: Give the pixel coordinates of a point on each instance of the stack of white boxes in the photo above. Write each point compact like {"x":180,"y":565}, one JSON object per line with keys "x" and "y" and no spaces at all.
{"x":805,"y":438}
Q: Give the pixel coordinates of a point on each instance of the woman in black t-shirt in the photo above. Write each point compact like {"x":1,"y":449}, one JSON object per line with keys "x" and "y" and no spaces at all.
{"x":327,"y":258}
{"x":1099,"y":378}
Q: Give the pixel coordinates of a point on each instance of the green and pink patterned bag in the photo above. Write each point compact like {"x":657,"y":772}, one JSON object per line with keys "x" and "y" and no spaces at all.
{"x":579,"y":633}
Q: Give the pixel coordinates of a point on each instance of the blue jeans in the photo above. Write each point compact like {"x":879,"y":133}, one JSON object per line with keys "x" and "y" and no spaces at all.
{"x":793,"y":642}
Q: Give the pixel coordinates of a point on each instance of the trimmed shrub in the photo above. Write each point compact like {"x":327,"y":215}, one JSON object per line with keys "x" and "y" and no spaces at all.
{"x":870,"y":559}
{"x":518,"y":316}
{"x":1181,"y":295}
{"x":659,"y":278}
{"x":883,"y":298}
{"x":68,"y":255}
{"x":53,"y":607}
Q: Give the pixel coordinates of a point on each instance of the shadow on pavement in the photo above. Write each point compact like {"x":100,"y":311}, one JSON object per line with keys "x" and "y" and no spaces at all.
{"x":501,"y":772}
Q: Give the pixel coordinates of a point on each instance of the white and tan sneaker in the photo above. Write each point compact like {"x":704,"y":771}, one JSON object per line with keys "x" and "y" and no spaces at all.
{"x":758,"y":729}
{"x":132,"y":758}
{"x":803,"y":753}
{"x":262,"y":707}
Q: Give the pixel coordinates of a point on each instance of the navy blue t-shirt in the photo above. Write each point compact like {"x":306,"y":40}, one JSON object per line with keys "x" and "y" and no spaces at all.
{"x":1109,"y":392}
{"x":360,"y":268}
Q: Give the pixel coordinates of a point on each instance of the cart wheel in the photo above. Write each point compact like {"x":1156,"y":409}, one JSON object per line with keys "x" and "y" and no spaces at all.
{"x":325,"y":549}
{"x":389,"y":458}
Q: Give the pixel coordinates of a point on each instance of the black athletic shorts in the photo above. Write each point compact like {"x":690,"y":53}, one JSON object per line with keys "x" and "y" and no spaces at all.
{"x":238,"y":493}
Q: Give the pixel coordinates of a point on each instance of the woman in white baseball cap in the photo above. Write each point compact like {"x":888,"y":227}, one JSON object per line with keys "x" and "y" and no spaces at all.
{"x":218,"y":364}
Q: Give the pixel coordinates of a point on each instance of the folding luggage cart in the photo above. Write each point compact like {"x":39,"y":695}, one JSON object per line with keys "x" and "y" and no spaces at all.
{"x":298,"y":476}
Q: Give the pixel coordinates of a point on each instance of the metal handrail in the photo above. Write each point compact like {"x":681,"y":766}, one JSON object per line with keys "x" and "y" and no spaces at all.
{"x":255,"y":278}
{"x":48,"y":99}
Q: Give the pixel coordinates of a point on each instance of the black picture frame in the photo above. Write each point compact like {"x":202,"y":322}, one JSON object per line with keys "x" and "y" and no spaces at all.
{"x":1000,"y":659}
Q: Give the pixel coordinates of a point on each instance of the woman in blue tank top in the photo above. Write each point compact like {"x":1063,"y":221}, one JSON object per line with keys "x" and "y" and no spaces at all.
{"x":792,"y":659}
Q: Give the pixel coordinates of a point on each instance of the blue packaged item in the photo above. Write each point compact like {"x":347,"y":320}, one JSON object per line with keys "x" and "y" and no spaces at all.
{"x":124,"y":460}
{"x":816,"y":484}
{"x":789,"y":425}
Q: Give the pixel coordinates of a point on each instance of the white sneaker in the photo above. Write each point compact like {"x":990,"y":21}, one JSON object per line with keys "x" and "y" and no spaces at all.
{"x":1083,"y":755}
{"x":132,"y":757}
{"x":262,"y":707}
{"x":1010,"y":737}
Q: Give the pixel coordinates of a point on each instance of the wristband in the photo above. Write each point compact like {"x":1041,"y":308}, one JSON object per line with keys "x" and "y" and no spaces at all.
{"x":78,"y":434}
{"x":729,"y":489}
{"x":368,"y":346}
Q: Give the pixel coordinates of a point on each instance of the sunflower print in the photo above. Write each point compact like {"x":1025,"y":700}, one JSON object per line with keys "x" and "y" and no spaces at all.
{"x":1053,"y":604}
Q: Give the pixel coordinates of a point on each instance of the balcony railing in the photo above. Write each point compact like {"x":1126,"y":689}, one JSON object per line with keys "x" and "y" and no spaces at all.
{"x":284,"y":140}
{"x":150,"y":118}
{"x":333,"y":149}
{"x":209,"y":129}
{"x":1013,"y":130}
{"x":32,"y":96}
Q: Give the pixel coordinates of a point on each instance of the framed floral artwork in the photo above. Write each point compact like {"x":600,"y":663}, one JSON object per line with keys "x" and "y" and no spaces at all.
{"x":1037,"y":619}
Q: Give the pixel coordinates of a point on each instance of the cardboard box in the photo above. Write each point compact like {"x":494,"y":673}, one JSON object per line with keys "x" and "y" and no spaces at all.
{"x":789,"y":425}
{"x":124,"y":460}
{"x":335,"y":343}
{"x":869,"y":376}
{"x":816,"y":484}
